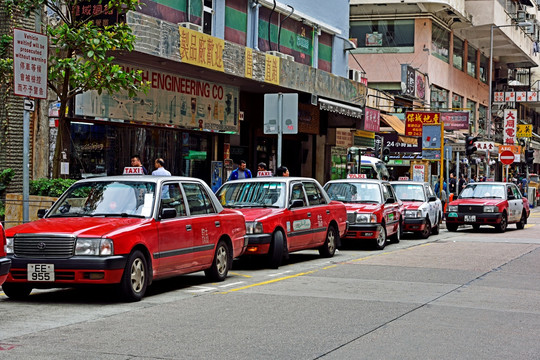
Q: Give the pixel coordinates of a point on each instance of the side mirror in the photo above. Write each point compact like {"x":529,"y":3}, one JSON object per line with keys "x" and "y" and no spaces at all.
{"x":41,"y":213}
{"x":168,"y":213}
{"x":390,"y":200}
{"x":432,"y":198}
{"x":296,"y":203}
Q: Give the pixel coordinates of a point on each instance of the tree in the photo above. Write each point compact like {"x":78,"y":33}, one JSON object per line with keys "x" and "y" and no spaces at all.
{"x":80,"y":55}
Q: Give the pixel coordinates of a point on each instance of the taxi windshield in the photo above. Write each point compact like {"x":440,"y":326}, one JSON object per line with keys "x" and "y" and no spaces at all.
{"x":409,"y":192}
{"x":238,"y":194}
{"x":482,"y":191}
{"x":354,"y":192}
{"x":106,"y":198}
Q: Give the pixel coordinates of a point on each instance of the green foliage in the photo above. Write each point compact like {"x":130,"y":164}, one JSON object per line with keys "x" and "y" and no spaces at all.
{"x":5,"y":178}
{"x":50,"y":187}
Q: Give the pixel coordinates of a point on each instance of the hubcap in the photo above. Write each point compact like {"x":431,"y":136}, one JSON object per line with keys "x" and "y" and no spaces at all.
{"x":331,"y":241}
{"x":221,"y":260}
{"x":137,"y":275}
{"x":381,"y":239}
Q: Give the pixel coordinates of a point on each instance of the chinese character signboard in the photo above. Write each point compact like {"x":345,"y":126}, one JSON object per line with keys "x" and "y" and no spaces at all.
{"x":172,"y":100}
{"x":372,"y":120}
{"x":199,"y":49}
{"x":521,"y":96}
{"x":97,"y":10}
{"x":455,"y":120}
{"x":509,"y":96}
{"x":30,"y":64}
{"x":485,"y":146}
{"x":498,"y":96}
{"x":249,"y":63}
{"x":532,"y":96}
{"x":271,"y":72}
{"x":401,"y":144}
{"x":524,"y":131}
{"x":415,"y":120}
{"x":509,"y":126}
{"x":413,"y":82}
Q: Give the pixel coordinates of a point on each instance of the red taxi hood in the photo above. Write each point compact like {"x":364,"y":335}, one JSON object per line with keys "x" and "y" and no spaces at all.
{"x":252,"y":214}
{"x":477,"y":201}
{"x":86,"y":226}
{"x":412,"y":205}
{"x":370,"y":208}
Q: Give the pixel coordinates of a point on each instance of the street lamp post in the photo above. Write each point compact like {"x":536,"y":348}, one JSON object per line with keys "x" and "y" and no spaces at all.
{"x":490,"y":84}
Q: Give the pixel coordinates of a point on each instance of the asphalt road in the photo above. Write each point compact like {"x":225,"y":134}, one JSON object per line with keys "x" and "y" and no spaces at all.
{"x":463,"y":295}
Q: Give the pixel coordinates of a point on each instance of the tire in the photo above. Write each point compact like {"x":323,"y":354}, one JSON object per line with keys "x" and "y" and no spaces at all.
{"x":451,"y":227}
{"x":476,"y":227}
{"x":395,"y":238}
{"x":380,"y":242}
{"x":275,"y":253}
{"x":436,"y":229}
{"x":17,"y":291}
{"x":501,"y":227}
{"x":521,"y":224}
{"x":135,"y":278}
{"x":328,"y":249}
{"x":221,"y":264}
{"x":424,"y":234}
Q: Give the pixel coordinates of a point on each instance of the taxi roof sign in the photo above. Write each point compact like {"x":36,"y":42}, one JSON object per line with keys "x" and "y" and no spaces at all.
{"x":133,"y":170}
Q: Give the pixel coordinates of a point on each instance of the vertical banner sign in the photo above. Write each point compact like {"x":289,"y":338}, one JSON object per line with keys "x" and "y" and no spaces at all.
{"x":509,"y":126}
{"x":248,"y":72}
{"x":372,"y":120}
{"x":200,"y":49}
{"x":30,"y":64}
{"x":415,"y":119}
{"x":271,"y":69}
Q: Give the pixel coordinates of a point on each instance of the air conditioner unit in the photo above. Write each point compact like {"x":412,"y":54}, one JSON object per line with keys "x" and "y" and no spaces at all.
{"x":521,"y":15}
{"x":281,"y":55}
{"x":355,"y":75}
{"x":531,"y":17}
{"x":191,"y":26}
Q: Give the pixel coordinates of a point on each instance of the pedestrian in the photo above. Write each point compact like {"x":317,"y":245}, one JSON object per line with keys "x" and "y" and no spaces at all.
{"x":452,"y":183}
{"x":160,"y":169}
{"x":262,"y":166}
{"x":136,"y":162}
{"x":241,"y":172}
{"x":461,"y":183}
{"x":282,"y":171}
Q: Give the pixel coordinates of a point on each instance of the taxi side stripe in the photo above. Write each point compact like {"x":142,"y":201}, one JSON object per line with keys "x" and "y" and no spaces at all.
{"x":184,"y":251}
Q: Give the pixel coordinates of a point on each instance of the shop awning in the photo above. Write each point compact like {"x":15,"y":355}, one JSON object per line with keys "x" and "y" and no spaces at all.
{"x":340,"y":108}
{"x":394,"y":122}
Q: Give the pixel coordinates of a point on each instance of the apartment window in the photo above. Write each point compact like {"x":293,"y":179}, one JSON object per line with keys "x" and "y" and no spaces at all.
{"x":440,"y":42}
{"x":482,"y":117}
{"x":471,"y":61}
{"x":457,"y":102}
{"x":458,"y":53}
{"x":484,"y":65}
{"x":439,"y":98}
{"x":471,"y":105}
{"x":208,"y":13}
{"x":383,"y":36}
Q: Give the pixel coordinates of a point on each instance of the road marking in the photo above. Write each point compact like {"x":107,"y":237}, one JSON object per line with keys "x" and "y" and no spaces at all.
{"x":232,"y":284}
{"x":269,"y":281}
{"x":329,"y":267}
{"x":202,"y":289}
{"x":279,"y":274}
{"x":529,"y":226}
{"x":238,"y":274}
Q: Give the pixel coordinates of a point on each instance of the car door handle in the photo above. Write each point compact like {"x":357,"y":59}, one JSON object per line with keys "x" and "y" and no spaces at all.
{"x":188,"y":227}
{"x":308,"y":214}
{"x":328,"y":211}
{"x":218,"y":224}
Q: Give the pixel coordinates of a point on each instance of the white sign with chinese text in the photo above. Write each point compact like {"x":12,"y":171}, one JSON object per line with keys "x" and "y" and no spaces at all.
{"x":509,"y":96}
{"x":521,"y":96}
{"x":30,"y":64}
{"x":498,"y":96}
{"x":485,"y":146}
{"x":510,"y":126}
{"x":419,"y":172}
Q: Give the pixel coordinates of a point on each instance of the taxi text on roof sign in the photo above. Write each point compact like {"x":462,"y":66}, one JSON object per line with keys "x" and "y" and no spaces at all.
{"x":133,"y":170}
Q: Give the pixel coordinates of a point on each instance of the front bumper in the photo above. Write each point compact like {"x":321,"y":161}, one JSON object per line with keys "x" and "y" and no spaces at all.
{"x":480,"y":219}
{"x":363,"y":231}
{"x":75,"y":270}
{"x":258,"y":244}
{"x":414,"y":224}
{"x":5,"y":265}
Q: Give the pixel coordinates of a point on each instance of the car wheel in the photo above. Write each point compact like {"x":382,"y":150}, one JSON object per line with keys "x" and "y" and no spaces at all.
{"x":220,"y":266}
{"x":451,"y":227}
{"x":424,"y":234}
{"x":16,"y":291}
{"x":436,"y":229}
{"x":395,"y":238}
{"x":275,"y":253}
{"x":135,"y":278}
{"x":501,"y":227}
{"x":380,"y":241}
{"x":328,"y":249}
{"x":521,"y":224}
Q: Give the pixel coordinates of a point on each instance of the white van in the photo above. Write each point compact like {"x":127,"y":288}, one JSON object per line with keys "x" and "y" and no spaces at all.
{"x":373,"y":168}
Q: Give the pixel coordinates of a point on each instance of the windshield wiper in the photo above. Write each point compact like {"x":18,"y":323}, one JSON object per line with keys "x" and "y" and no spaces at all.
{"x":117,"y":215}
{"x":66,"y":215}
{"x":412,"y":200}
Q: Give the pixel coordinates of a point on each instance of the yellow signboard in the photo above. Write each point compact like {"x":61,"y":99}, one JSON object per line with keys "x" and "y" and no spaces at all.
{"x":524,"y":131}
{"x":365,"y":134}
{"x":271,"y":73}
{"x":200,"y":49}
{"x":249,"y":63}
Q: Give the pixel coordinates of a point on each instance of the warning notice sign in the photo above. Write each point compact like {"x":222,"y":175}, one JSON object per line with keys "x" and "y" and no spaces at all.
{"x":30,"y":64}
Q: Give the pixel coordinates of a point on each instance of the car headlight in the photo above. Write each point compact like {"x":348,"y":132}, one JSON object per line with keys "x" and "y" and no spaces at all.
{"x":94,"y":247}
{"x":413,"y":213}
{"x":254,"y":227}
{"x":9,"y":245}
{"x":452,"y":208}
{"x":366,"y":218}
{"x":491,"y":209}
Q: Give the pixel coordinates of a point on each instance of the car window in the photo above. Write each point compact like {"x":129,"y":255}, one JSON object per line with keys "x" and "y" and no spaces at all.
{"x":355,"y":192}
{"x":297,"y":193}
{"x":175,"y":199}
{"x":517,"y":193}
{"x":238,"y":194}
{"x":387,"y":192}
{"x":199,"y":202}
{"x":314,"y":194}
{"x":429,"y":191}
{"x":483,"y":191}
{"x":409,"y":192}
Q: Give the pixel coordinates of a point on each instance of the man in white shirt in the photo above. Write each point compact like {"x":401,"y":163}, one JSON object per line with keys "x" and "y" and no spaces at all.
{"x":160,"y":170}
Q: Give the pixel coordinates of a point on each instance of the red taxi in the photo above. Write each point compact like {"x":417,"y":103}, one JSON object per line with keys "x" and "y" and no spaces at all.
{"x":423,"y":211}
{"x":285,"y":214}
{"x":488,"y":203}
{"x":374,"y":212}
{"x":128,"y":231}
{"x":5,"y":263}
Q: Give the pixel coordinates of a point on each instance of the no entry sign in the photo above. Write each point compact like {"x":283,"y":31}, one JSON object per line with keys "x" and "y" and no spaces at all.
{"x":507,"y":157}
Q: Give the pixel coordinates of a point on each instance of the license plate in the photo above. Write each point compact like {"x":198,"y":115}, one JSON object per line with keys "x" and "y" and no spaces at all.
{"x":452,"y":214}
{"x":40,"y":272}
{"x":469,"y":218}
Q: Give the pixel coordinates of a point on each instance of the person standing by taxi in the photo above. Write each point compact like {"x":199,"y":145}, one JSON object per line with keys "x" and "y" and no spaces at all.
{"x":160,"y":169}
{"x":136,"y":162}
{"x":241,"y":172}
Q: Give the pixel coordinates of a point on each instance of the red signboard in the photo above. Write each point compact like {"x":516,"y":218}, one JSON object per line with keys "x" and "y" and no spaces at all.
{"x":507,"y":157}
{"x":415,"y":120}
{"x":372,"y":120}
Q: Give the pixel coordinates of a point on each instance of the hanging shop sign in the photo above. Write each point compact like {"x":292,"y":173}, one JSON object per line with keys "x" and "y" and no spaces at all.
{"x":455,"y":120}
{"x":524,"y":131}
{"x":515,"y":96}
{"x":172,"y":100}
{"x":415,"y":119}
{"x":510,"y":127}
{"x":413,"y":82}
{"x":372,"y":120}
{"x":401,"y":144}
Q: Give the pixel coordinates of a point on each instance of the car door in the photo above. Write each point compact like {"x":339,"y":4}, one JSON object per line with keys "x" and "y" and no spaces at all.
{"x":391,"y":208}
{"x":175,"y":235}
{"x":300,"y":226}
{"x":432,"y":205}
{"x":320,"y":213}
{"x":516,"y":205}
{"x":205,"y":223}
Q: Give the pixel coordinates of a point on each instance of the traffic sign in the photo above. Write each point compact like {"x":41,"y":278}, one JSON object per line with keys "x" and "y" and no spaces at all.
{"x":29,"y":105}
{"x":507,"y":157}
